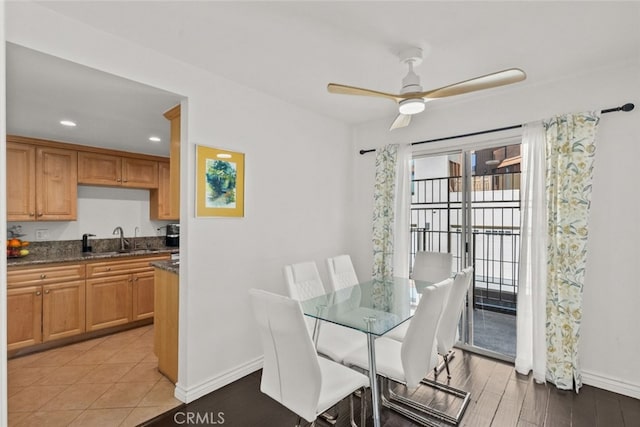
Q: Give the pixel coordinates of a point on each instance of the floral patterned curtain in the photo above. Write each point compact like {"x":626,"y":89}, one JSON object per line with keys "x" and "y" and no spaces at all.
{"x":383,"y":211}
{"x":570,"y":156}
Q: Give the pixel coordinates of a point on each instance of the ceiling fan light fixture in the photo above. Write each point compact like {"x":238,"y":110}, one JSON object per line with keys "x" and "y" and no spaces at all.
{"x":411,"y":106}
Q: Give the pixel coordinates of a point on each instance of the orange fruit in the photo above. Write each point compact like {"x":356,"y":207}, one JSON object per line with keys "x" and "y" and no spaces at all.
{"x":15,"y":243}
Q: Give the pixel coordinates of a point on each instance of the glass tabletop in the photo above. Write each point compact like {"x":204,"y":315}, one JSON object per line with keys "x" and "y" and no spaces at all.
{"x":375,"y":306}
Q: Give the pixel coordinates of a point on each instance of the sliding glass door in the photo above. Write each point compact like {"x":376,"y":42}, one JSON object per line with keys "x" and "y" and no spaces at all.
{"x":467,"y":203}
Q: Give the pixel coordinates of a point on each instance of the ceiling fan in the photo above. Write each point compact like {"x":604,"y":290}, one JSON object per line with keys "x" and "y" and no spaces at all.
{"x":411,"y":99}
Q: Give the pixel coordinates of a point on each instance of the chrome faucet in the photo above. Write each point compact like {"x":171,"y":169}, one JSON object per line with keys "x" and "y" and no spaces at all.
{"x":123,"y":241}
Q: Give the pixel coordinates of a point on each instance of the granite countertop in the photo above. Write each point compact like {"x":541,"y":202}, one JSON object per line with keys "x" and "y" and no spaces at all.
{"x":172,"y":265}
{"x":35,"y":259}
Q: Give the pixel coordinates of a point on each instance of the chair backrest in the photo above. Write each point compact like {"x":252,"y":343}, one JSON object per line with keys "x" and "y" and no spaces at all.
{"x":303,"y":280}
{"x":341,"y":272}
{"x":446,"y":334}
{"x":291,"y":372}
{"x":432,"y":266}
{"x":417,"y":353}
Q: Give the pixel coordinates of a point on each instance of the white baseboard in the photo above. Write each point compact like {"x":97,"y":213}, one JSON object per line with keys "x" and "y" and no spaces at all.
{"x":190,"y":394}
{"x":614,"y":385}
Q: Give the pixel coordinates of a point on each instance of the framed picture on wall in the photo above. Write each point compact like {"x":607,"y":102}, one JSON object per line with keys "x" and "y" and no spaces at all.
{"x":219,"y":182}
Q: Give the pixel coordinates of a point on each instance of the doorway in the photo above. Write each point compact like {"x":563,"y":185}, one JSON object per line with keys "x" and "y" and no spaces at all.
{"x":467,"y":203}
{"x":112,"y":113}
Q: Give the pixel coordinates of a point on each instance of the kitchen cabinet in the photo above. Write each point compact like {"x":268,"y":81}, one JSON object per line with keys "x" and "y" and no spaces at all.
{"x":24,"y":317}
{"x":173,"y":115}
{"x":44,"y":303}
{"x":41,"y":183}
{"x":165,"y":201}
{"x":165,"y":324}
{"x":63,"y":310}
{"x":108,"y":301}
{"x":119,"y":291}
{"x":160,"y":199}
{"x":142,"y":296}
{"x":111,"y":170}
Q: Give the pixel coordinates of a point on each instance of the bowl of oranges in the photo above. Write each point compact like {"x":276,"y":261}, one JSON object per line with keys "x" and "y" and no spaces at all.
{"x":17,"y":248}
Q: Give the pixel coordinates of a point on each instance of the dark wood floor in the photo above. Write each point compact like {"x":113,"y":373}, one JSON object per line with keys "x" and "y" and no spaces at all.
{"x":499,"y":398}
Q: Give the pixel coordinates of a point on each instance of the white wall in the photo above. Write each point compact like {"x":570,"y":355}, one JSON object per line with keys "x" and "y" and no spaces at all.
{"x":100,"y":210}
{"x":609,"y":345}
{"x":288,"y":153}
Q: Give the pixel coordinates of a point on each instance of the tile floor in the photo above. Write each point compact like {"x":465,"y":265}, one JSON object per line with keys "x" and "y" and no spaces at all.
{"x":107,"y":381}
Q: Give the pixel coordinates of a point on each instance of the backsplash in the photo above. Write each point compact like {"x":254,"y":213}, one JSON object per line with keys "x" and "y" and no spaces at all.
{"x":100,"y":211}
{"x":74,"y":247}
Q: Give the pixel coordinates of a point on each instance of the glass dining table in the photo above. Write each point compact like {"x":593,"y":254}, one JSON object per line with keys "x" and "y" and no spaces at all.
{"x":373,"y":307}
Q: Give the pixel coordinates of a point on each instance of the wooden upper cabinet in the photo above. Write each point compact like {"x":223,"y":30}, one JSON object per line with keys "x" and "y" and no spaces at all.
{"x":165,"y":201}
{"x":41,"y":183}
{"x":109,"y":170}
{"x":139,"y":173}
{"x":160,"y":199}
{"x":173,"y":115}
{"x":56,"y":184}
{"x":99,"y":169}
{"x":21,"y":182}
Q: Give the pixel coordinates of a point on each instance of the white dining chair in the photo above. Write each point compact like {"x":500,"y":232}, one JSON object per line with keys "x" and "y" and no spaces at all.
{"x":448,"y":330}
{"x":409,"y":361}
{"x":334,"y":341}
{"x":343,"y":281}
{"x":292,"y":373}
{"x":430,"y":267}
{"x":447,"y":335}
{"x":342,"y":274}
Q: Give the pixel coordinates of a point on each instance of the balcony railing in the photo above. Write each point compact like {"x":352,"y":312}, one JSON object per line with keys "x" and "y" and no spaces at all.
{"x":436,"y":211}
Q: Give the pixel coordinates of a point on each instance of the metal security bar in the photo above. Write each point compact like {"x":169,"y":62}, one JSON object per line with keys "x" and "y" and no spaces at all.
{"x":436,"y":211}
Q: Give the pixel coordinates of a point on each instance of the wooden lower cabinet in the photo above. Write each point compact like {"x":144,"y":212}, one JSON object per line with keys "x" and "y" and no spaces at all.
{"x":142,"y":298}
{"x":44,"y":303}
{"x":108,"y":301}
{"x":165,"y":328}
{"x":24,"y":317}
{"x":63,"y":310}
{"x":37,"y":314}
{"x":55,"y":301}
{"x":119,"y":292}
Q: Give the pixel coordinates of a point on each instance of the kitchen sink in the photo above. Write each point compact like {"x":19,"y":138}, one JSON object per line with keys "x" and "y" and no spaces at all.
{"x":126,"y":251}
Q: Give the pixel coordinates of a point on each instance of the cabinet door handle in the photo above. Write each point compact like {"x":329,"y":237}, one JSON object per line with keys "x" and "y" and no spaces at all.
{"x":39,"y":213}
{"x":47,"y":291}
{"x":32,"y":214}
{"x":43,"y":276}
{"x":118,"y":180}
{"x":38,"y":293}
{"x":135,"y":279}
{"x":108,"y":268}
{"x":125,"y":180}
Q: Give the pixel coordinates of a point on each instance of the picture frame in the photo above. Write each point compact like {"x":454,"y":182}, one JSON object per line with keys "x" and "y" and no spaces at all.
{"x":219,"y":182}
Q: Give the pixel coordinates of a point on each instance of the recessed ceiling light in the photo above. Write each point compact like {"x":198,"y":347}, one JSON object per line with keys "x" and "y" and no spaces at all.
{"x":154,"y":139}
{"x":68,"y":123}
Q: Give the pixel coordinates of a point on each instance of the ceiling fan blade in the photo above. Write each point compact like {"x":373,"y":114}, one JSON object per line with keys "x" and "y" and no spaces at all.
{"x":352,"y":90}
{"x":500,"y":78}
{"x":401,"y":121}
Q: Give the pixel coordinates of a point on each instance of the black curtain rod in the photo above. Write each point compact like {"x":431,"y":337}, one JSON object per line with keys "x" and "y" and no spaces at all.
{"x":626,"y":107}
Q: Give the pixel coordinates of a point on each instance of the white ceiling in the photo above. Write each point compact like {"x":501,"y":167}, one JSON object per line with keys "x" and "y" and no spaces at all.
{"x":109,"y":111}
{"x":291,"y":50}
